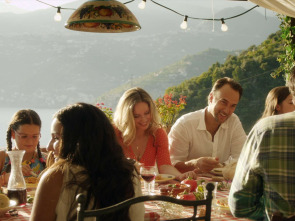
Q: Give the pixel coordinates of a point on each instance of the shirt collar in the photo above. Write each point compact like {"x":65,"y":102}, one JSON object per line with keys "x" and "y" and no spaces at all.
{"x":202,"y":124}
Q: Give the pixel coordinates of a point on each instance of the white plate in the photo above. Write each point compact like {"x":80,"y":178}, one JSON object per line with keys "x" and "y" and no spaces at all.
{"x":222,"y":204}
{"x":163,"y":178}
{"x":217,"y":171}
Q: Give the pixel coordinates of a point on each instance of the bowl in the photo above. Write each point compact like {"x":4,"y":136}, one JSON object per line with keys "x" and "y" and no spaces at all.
{"x":173,"y":189}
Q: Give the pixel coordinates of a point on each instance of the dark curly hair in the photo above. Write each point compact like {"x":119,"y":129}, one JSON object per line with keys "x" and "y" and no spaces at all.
{"x":20,"y":118}
{"x":88,"y":140}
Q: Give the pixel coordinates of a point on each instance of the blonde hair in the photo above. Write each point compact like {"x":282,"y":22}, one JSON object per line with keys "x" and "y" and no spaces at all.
{"x":123,"y":116}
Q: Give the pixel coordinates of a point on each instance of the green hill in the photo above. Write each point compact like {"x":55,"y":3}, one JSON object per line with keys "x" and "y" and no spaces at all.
{"x":157,"y":82}
{"x":252,"y":68}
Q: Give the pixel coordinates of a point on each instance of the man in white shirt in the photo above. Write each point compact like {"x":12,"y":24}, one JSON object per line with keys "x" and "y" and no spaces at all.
{"x":202,"y":139}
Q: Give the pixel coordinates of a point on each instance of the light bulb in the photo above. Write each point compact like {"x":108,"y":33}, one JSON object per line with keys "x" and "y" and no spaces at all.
{"x":184,"y":23}
{"x":223,"y":26}
{"x":57,"y":16}
{"x":141,"y":5}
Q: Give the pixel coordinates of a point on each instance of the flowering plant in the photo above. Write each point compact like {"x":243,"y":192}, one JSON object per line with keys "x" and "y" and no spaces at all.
{"x":169,"y":108}
{"x":107,"y":110}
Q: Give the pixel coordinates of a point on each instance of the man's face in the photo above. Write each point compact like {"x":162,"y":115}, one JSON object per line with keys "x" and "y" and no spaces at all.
{"x":222,"y":103}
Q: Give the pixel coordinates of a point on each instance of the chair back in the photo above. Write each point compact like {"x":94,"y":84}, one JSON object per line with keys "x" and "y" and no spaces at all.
{"x":82,"y":213}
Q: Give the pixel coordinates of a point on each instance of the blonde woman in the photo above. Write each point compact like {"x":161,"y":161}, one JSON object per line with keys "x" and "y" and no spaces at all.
{"x":137,"y":125}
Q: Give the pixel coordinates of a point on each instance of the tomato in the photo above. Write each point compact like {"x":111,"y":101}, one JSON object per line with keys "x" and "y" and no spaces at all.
{"x":189,"y":196}
{"x":193,"y":183}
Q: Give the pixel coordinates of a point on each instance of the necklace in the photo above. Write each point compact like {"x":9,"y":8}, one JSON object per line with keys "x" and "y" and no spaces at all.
{"x":138,"y":154}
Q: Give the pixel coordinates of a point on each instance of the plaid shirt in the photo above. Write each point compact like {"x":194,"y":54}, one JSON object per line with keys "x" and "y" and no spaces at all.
{"x":264,"y":181}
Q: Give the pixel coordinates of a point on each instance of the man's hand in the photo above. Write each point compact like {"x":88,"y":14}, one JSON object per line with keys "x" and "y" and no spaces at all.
{"x":204,"y":164}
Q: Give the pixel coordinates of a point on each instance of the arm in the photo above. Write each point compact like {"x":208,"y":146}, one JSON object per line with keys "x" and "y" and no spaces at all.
{"x":246,"y":193}
{"x":169,"y":169}
{"x":47,"y":196}
{"x":163,"y":158}
{"x":161,"y":143}
{"x":202,"y":164}
{"x":238,"y":139}
{"x":178,"y":143}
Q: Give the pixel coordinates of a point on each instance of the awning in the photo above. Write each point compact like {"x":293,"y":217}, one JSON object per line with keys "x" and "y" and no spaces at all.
{"x":285,"y":7}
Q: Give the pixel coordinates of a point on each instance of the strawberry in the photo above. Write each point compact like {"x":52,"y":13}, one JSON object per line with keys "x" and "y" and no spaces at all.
{"x":193,"y":183}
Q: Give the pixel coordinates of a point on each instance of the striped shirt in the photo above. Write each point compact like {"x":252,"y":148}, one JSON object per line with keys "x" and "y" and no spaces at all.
{"x":264,"y":181}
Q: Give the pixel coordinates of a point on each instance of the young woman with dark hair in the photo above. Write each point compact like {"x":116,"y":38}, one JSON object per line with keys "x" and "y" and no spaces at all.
{"x":24,"y":129}
{"x":90,"y":161}
{"x":278,"y":101}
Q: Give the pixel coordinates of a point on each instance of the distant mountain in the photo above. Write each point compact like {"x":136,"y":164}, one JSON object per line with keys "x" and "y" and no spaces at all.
{"x":157,"y":82}
{"x":45,"y":65}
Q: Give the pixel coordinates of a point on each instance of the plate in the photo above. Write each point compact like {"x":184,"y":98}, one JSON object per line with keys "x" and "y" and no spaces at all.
{"x":217,"y":171}
{"x":163,"y":178}
{"x":32,"y":185}
{"x":222,"y":204}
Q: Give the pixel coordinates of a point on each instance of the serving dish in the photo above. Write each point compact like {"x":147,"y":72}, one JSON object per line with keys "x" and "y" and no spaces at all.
{"x":173,"y":189}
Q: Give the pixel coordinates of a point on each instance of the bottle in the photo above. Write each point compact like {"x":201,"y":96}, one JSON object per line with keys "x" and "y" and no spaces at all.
{"x":16,"y":187}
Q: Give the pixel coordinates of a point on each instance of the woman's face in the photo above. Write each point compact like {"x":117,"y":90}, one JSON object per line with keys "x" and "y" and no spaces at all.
{"x":54,"y":143}
{"x":27,"y":137}
{"x":142,"y":116}
{"x":286,"y":106}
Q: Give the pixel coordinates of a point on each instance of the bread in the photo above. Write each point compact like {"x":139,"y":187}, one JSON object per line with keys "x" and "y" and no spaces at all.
{"x":217,"y":179}
{"x":4,"y":201}
{"x":229,"y":171}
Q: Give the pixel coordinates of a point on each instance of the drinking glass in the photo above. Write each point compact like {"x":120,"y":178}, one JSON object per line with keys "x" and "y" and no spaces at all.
{"x":214,"y":205}
{"x":148,"y":174}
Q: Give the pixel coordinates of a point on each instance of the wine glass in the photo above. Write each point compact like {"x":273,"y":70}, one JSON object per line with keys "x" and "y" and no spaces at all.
{"x":148,"y":174}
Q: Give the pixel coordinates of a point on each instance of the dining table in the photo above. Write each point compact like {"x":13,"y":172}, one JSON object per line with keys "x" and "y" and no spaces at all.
{"x":154,"y":211}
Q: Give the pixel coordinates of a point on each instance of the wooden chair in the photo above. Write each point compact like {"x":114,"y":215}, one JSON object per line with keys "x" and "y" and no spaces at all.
{"x":81,"y":213}
{"x":278,"y":216}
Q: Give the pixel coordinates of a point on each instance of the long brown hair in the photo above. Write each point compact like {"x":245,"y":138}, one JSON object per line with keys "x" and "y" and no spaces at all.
{"x":88,"y":140}
{"x":22,"y":117}
{"x":275,"y":97}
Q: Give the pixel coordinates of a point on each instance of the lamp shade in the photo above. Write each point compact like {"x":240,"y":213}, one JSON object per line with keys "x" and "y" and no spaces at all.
{"x":104,"y":16}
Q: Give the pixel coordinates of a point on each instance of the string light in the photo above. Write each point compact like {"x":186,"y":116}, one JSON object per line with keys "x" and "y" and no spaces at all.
{"x":223,"y":25}
{"x":184,"y":23}
{"x":57,"y":16}
{"x":141,"y":5}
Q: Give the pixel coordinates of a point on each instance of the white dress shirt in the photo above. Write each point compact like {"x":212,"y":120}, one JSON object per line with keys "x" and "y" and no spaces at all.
{"x":189,"y":139}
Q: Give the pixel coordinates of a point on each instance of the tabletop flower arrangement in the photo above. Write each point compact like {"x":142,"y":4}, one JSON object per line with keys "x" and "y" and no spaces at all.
{"x":107,"y":110}
{"x":169,"y":109}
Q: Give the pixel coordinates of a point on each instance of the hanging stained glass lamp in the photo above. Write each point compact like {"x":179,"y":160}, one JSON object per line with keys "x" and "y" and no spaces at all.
{"x":103,"y":16}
